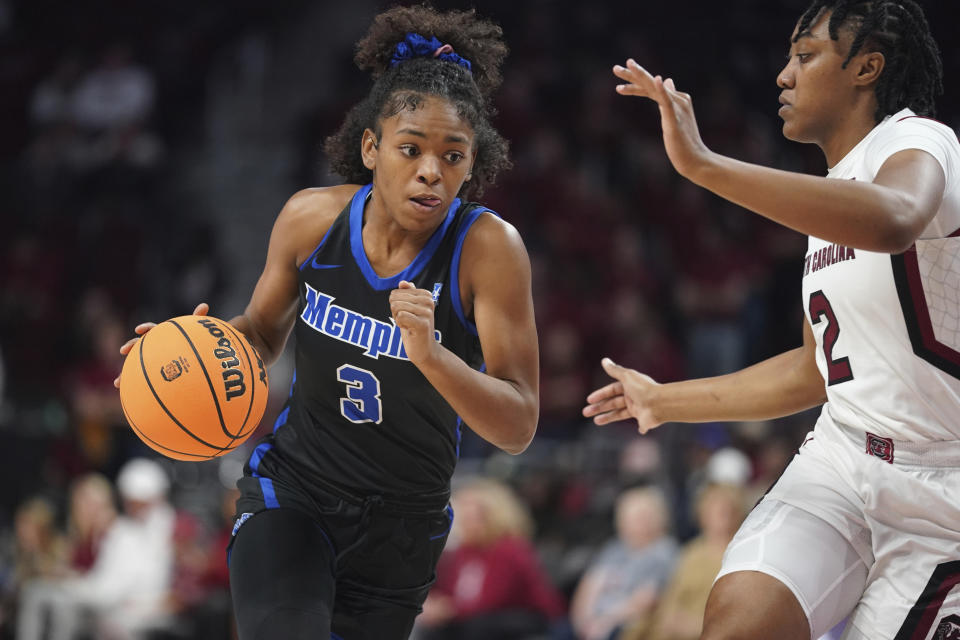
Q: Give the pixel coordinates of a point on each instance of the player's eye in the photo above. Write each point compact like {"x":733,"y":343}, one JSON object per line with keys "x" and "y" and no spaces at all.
{"x":453,"y":157}
{"x":802,"y":57}
{"x":409,"y":150}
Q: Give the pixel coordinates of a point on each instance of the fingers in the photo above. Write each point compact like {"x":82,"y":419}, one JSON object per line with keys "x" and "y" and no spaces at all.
{"x":407,"y":320}
{"x":613,"y":416}
{"x":613,"y":404}
{"x":639,"y":80}
{"x":142,"y":328}
{"x":116,"y":382}
{"x":408,"y":297}
{"x":125,"y":349}
{"x":605,"y":393}
{"x":202,"y":309}
{"x":613,"y":369}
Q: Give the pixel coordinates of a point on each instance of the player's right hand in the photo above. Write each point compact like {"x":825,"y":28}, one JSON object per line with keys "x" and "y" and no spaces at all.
{"x":681,"y":135}
{"x":628,"y":397}
{"x":202,"y":309}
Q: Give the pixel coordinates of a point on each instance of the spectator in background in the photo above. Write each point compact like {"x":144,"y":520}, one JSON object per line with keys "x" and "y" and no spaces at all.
{"x":622,"y":585}
{"x":679,"y":614}
{"x":101,"y":429}
{"x":92,"y":513}
{"x":490,"y":583}
{"x":39,"y":551}
{"x":121,"y":596}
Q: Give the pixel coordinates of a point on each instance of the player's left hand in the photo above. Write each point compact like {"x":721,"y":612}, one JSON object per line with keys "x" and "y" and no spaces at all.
{"x":412,"y":310}
{"x":630,"y":395}
{"x":681,"y":136}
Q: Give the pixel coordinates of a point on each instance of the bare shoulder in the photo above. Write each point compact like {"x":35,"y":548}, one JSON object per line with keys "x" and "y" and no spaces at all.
{"x":492,"y":238}
{"x":308,"y":215}
{"x":494,"y":259}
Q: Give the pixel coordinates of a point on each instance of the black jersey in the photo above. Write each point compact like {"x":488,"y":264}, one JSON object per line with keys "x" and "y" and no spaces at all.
{"x":360,"y":415}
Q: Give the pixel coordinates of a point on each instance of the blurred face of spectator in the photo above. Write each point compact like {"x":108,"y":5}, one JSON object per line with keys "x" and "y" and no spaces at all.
{"x":471,"y":520}
{"x":137,"y":509}
{"x":720,"y":512}
{"x":33,"y":525}
{"x":816,"y":88}
{"x":91,"y":505}
{"x":419,"y":161}
{"x":641,"y":517}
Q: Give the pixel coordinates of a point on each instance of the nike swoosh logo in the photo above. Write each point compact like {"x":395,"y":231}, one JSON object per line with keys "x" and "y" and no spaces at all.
{"x":317,"y":265}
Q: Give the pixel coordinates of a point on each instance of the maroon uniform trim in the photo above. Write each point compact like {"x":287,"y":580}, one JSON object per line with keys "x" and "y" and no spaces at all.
{"x":906,"y":275}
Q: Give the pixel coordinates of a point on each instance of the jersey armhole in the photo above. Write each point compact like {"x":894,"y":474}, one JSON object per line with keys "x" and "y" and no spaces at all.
{"x":319,"y":246}
{"x":455,"y":267}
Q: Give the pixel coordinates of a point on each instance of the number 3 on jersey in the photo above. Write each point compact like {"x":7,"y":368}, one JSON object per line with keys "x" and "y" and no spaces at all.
{"x":837,"y":370}
{"x":362,"y":403}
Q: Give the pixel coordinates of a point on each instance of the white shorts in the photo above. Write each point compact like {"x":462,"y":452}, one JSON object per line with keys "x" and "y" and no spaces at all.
{"x":863,"y":524}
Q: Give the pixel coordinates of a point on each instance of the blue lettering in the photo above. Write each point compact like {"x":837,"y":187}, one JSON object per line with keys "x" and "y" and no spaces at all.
{"x":356,"y":329}
{"x":316,"y":307}
{"x":396,"y":344}
{"x":375,"y":337}
{"x":380,"y":341}
{"x":334,"y":323}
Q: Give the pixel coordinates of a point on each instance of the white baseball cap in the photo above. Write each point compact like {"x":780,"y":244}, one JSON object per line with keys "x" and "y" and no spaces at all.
{"x":142,"y":479}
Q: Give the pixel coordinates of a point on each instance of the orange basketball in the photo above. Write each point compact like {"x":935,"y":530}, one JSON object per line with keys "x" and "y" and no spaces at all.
{"x":193,"y":388}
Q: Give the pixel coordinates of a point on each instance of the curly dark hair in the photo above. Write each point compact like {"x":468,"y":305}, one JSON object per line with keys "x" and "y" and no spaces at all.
{"x":913,"y":72}
{"x":406,"y":85}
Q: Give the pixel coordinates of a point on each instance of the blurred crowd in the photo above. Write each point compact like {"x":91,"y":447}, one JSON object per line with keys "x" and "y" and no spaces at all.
{"x":592,"y":533}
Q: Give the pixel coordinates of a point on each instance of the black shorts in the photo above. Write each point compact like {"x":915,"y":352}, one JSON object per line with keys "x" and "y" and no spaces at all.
{"x":331,"y":566}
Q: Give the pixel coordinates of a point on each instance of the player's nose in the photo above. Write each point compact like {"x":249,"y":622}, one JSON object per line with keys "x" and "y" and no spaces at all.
{"x":428,"y":170}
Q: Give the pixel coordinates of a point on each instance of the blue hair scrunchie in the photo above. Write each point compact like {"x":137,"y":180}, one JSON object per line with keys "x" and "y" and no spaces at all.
{"x":416,"y":46}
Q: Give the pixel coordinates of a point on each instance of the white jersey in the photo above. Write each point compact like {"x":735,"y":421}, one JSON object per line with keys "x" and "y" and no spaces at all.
{"x":887,"y":327}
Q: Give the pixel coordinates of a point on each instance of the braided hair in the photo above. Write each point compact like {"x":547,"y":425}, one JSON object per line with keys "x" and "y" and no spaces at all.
{"x":912,"y":75}
{"x":406,"y":85}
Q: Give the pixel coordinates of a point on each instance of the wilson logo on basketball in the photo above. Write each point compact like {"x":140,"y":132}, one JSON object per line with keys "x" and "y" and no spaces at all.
{"x":233,"y":382}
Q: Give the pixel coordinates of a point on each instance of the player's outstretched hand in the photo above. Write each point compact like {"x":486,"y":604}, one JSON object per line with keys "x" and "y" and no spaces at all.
{"x":202,"y":309}
{"x":625,"y":398}
{"x":412,"y":310}
{"x":681,"y":136}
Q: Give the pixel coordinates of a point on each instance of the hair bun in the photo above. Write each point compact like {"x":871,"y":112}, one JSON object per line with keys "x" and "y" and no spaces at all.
{"x":478,"y":40}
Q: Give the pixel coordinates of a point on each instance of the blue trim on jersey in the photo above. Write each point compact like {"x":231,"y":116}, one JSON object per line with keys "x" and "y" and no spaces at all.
{"x":414,"y":268}
{"x":313,"y":255}
{"x":449,"y":512}
{"x":334,"y":636}
{"x":455,"y":268}
{"x":459,"y":435}
{"x":281,"y":419}
{"x":257,"y":456}
{"x":269,"y":495}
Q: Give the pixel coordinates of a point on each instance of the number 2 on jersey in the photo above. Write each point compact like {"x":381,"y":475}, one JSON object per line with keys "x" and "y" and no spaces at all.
{"x":362,"y":403}
{"x":838,"y":370}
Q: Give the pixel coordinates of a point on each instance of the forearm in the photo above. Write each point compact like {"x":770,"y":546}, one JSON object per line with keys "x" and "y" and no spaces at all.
{"x":856,"y":214}
{"x":777,"y":387}
{"x":269,"y":349}
{"x":499,"y":411}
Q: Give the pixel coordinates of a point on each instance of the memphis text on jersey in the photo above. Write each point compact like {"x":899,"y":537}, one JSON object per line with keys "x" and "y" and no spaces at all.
{"x":827,"y":256}
{"x":374,"y":336}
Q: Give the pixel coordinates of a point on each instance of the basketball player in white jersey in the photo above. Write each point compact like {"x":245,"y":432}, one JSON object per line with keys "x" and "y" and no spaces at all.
{"x":866,"y":518}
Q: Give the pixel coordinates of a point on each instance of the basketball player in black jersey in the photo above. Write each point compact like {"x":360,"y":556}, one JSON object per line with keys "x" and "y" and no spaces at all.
{"x":413,"y":315}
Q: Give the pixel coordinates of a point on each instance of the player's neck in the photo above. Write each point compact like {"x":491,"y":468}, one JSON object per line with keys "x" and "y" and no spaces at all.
{"x":847,"y":131}
{"x":389,"y":246}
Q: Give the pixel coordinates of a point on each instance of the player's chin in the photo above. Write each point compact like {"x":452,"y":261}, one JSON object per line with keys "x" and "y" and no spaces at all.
{"x":792,"y":130}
